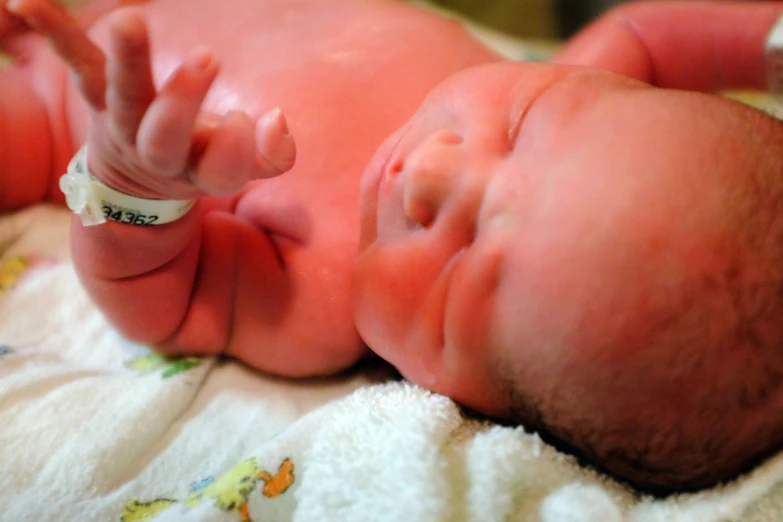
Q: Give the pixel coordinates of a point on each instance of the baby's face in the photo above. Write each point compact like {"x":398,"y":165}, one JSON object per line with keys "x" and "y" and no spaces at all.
{"x":478,"y":221}
{"x":440,"y":202}
{"x":535,"y":237}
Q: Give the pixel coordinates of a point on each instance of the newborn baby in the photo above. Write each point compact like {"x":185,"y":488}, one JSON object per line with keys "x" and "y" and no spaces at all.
{"x":563,"y":247}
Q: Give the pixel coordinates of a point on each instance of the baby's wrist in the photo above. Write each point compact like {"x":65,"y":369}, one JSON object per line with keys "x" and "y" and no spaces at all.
{"x":95,"y":202}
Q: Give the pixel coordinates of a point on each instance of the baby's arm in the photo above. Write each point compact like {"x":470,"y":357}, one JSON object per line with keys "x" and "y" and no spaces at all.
{"x":696,"y":45}
{"x":180,"y":284}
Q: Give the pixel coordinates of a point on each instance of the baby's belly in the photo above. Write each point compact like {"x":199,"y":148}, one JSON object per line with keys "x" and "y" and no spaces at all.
{"x":346,"y":74}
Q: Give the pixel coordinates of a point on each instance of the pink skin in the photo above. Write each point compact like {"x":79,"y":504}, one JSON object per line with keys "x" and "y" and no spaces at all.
{"x":459,"y":219}
{"x":263,"y":274}
{"x":427,"y":302}
{"x":662,"y":43}
{"x":490,"y":220}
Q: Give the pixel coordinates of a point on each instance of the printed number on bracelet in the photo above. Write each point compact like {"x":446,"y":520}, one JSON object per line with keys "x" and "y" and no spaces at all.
{"x":131,"y":218}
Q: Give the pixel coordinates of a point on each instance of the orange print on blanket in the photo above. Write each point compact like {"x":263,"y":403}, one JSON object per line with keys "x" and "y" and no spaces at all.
{"x":229,"y":492}
{"x":281,"y":481}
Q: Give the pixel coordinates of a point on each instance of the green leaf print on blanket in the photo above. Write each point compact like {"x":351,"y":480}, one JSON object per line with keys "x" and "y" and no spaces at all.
{"x":229,"y":491}
{"x":168,"y":366}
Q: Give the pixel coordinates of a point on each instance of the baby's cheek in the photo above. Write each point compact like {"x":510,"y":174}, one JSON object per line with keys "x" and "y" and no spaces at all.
{"x":384,"y":299}
{"x":368,"y":289}
{"x":397,"y":290}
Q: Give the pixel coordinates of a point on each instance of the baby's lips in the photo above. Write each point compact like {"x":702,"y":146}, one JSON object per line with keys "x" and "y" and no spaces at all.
{"x":275,"y":144}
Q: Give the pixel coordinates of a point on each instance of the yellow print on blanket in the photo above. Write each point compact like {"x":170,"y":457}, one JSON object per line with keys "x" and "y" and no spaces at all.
{"x":11,"y":272}
{"x":230,"y":491}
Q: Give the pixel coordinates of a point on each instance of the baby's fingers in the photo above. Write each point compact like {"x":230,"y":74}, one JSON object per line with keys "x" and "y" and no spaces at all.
{"x":228,"y":161}
{"x":70,"y":42}
{"x":130,"y":88}
{"x":276,"y":146}
{"x":166,"y":131}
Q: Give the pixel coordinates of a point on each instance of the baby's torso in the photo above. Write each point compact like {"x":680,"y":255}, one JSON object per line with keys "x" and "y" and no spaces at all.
{"x":346,"y":73}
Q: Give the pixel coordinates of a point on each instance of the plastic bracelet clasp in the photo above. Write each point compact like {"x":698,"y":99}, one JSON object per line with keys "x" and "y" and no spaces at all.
{"x":95,"y":203}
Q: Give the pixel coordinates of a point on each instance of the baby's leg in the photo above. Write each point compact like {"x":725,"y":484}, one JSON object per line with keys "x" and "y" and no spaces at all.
{"x":705,"y":46}
{"x":25,"y":137}
{"x":25,"y":142}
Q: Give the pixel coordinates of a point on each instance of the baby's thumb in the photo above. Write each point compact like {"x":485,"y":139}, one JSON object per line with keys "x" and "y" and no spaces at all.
{"x":276,"y":149}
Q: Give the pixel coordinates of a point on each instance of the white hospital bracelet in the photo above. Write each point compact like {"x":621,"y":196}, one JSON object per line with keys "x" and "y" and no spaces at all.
{"x":773,"y":58}
{"x":95,"y":203}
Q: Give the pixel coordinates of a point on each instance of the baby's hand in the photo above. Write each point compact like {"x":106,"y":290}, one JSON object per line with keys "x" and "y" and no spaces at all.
{"x":659,"y":43}
{"x":157,"y":143}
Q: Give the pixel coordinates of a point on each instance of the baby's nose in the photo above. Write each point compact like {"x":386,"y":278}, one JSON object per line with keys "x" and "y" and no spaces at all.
{"x":431,"y":173}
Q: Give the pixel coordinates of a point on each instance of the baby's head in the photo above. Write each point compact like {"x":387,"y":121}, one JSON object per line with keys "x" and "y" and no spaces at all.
{"x":590,"y":256}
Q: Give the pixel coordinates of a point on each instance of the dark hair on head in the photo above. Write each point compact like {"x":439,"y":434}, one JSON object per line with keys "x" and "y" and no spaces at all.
{"x":661,"y":461}
{"x":734,"y":416}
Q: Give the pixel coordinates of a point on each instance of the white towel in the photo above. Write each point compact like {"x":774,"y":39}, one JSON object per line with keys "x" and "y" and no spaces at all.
{"x":95,"y":428}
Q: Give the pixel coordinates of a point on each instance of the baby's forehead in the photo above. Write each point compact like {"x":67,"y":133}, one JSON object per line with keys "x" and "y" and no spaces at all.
{"x":494,"y":83}
{"x":499,"y":92}
{"x":478,"y":98}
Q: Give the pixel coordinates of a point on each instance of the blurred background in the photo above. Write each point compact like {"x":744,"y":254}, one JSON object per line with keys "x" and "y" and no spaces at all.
{"x":532,"y":18}
{"x":536,"y":19}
